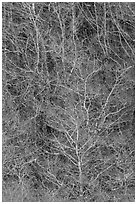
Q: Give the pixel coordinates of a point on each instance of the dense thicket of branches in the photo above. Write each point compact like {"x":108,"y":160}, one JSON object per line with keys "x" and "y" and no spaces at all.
{"x":68,"y":101}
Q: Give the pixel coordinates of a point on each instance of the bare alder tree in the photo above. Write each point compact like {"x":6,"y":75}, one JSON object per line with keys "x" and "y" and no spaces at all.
{"x":68,"y":101}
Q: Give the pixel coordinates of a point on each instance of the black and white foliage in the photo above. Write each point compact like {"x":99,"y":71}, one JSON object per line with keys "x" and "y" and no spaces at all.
{"x":68,"y":101}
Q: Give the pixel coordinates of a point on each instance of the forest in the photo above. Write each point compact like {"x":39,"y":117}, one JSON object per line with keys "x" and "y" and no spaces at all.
{"x":68,"y":102}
